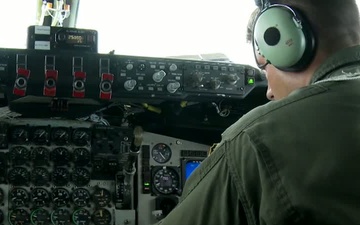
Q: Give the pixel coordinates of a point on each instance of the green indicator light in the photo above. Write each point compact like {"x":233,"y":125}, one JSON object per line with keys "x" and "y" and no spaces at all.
{"x":251,"y":81}
{"x":146,"y":184}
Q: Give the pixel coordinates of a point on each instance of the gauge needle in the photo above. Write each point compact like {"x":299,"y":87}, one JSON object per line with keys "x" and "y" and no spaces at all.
{"x":162,"y":155}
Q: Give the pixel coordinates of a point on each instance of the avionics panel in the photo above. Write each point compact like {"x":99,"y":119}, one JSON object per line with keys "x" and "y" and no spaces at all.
{"x":164,"y":164}
{"x":56,"y":171}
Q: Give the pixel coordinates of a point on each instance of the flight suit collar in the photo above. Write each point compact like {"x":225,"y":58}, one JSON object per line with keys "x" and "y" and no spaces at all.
{"x":343,"y":58}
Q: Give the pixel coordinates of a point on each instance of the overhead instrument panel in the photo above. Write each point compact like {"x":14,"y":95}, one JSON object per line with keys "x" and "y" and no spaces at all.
{"x":67,"y":78}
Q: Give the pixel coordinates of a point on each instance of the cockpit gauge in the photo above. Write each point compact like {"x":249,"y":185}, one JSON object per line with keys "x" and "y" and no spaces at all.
{"x":60,"y":176}
{"x":81,"y":177}
{"x":19,"y":176}
{"x":60,"y":197}
{"x":60,"y":216}
{"x":40,"y":216}
{"x":81,"y":156}
{"x":81,"y":217}
{"x":161,"y":153}
{"x":40,"y":156}
{"x":19,"y":135}
{"x":40,"y":197}
{"x":81,"y":197}
{"x":60,"y":136}
{"x":19,"y":155}
{"x":60,"y":156}
{"x":19,"y":216}
{"x":166,"y":181}
{"x":101,"y":217}
{"x":40,"y":176}
{"x":81,"y":137}
{"x":19,"y":197}
{"x":40,"y":135}
{"x":101,"y":197}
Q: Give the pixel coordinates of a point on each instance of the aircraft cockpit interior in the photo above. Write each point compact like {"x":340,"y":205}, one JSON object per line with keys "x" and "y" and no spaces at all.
{"x":107,"y":107}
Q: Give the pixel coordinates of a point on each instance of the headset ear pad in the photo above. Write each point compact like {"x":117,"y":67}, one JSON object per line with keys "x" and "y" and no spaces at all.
{"x":283,"y":39}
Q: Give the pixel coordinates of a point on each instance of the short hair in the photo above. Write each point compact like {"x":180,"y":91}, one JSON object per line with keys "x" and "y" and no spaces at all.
{"x":335,"y":23}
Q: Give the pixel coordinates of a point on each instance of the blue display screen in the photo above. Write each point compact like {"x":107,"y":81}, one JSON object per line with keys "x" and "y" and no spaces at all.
{"x":190,"y":166}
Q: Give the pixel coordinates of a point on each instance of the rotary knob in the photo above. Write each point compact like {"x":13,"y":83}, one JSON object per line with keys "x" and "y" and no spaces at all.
{"x":215,"y":84}
{"x":158,"y":76}
{"x":129,"y":66}
{"x":129,"y":85}
{"x":232,"y":79}
{"x":173,"y":67}
{"x":172,"y":87}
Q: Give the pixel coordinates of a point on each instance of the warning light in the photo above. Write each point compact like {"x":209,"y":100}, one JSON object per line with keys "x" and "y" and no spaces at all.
{"x":251,"y":81}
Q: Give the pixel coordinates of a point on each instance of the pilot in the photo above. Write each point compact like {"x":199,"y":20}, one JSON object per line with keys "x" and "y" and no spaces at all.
{"x":294,"y":160}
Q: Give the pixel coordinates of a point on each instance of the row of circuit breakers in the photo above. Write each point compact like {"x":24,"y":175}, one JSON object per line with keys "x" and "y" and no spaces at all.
{"x":111,"y":77}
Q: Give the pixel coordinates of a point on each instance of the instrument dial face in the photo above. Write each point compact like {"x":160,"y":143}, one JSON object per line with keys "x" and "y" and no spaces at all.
{"x":60,"y":216}
{"x":19,"y":217}
{"x":19,"y":176}
{"x":40,"y":217}
{"x":19,"y":135}
{"x":101,"y":197}
{"x":166,"y":181}
{"x":81,"y":177}
{"x":81,"y":137}
{"x":60,"y":197}
{"x":81,"y":217}
{"x":19,"y":155}
{"x":81,"y":156}
{"x":40,"y":176}
{"x":19,"y":197}
{"x":40,"y":135}
{"x":161,"y":153}
{"x":60,"y":176}
{"x":60,"y":136}
{"x":40,"y":197}
{"x":102,"y":217}
{"x":60,"y":156}
{"x":81,"y":197}
{"x":40,"y":156}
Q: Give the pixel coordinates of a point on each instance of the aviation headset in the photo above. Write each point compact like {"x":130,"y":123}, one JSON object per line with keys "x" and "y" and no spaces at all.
{"x":283,"y":37}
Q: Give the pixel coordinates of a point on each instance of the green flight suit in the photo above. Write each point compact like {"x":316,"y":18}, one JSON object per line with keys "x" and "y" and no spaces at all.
{"x":292,"y":161}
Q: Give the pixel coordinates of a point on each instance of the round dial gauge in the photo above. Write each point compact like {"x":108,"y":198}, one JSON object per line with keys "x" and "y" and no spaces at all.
{"x":81,"y":197}
{"x":101,"y":197}
{"x":81,"y":217}
{"x":60,"y":176}
{"x":102,"y":217}
{"x":81,"y":177}
{"x":40,"y":197}
{"x":161,"y":153}
{"x":40,"y":156}
{"x":80,"y":137}
{"x":60,"y":136}
{"x":19,"y":176}
{"x":19,"y":197}
{"x":19,"y":135}
{"x":40,"y":176}
{"x":19,"y":216}
{"x":19,"y":155}
{"x":40,"y":135}
{"x":60,"y":156}
{"x":40,"y":217}
{"x":60,"y":197}
{"x":81,"y":156}
{"x":60,"y":216}
{"x":166,"y":181}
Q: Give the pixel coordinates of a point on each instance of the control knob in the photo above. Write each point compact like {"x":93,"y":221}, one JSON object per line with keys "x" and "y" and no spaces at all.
{"x":129,"y":66}
{"x":129,"y":85}
{"x":158,"y":76}
{"x":173,"y":67}
{"x":173,"y":86}
{"x":215,"y":84}
{"x":232,"y":79}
